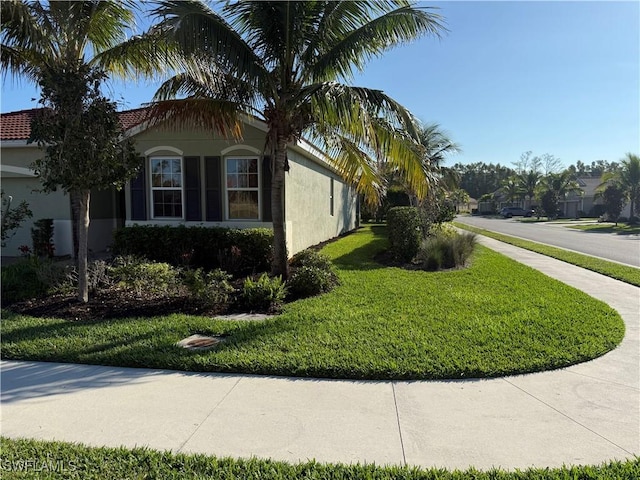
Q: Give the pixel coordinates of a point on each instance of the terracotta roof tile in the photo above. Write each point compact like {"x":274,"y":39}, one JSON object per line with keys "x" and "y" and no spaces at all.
{"x":17,"y":125}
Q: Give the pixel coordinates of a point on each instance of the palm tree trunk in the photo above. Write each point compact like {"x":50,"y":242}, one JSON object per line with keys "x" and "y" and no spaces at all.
{"x":83,"y":198}
{"x":280,"y":264}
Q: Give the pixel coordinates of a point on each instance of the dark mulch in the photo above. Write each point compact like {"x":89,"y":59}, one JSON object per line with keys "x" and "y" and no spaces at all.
{"x":114,"y":304}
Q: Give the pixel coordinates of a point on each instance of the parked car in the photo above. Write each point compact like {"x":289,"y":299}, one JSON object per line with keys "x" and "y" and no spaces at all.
{"x":508,"y":212}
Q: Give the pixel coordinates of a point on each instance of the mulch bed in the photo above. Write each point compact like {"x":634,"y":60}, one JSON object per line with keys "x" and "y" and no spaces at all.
{"x":114,"y":304}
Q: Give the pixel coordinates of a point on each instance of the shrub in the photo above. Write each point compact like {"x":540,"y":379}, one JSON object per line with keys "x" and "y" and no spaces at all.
{"x":307,"y":281}
{"x":442,"y":252}
{"x":20,"y":281}
{"x":311,"y":258}
{"x":143,"y":276}
{"x":42,"y":237}
{"x":100,"y":276}
{"x":53,"y":275}
{"x":404,"y":226}
{"x":312,"y":274}
{"x":264,"y":294}
{"x":210,"y":288}
{"x":12,"y":218}
{"x":236,"y":251}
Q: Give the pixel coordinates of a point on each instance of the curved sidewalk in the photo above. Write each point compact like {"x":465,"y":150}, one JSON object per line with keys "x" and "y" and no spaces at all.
{"x":585,"y":414}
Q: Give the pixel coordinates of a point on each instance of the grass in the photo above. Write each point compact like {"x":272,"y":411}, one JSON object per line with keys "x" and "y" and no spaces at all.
{"x":496,"y":318}
{"x":620,"y":272}
{"x":620,"y":229}
{"x":23,"y":459}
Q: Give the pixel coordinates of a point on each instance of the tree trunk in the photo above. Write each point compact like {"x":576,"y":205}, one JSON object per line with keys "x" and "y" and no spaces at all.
{"x":83,"y":198}
{"x":280,"y":264}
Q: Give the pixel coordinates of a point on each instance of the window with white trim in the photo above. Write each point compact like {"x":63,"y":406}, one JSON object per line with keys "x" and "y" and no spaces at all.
{"x":243,"y":188}
{"x":166,"y":187}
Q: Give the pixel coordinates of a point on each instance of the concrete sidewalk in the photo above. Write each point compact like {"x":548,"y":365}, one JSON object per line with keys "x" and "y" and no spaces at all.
{"x":585,"y":414}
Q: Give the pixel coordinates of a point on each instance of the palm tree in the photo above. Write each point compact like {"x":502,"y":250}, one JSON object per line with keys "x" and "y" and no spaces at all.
{"x":41,"y":40}
{"x":627,"y":177}
{"x":560,"y":185}
{"x":511,"y":189}
{"x":285,"y":63}
{"x":434,"y":145}
{"x":459,"y":197}
{"x":528,"y":183}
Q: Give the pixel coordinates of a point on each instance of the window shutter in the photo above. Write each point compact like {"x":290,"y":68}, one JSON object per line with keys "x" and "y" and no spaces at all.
{"x":139,"y":194}
{"x":213,"y":186}
{"x":266,"y":189}
{"x":192,"y":188}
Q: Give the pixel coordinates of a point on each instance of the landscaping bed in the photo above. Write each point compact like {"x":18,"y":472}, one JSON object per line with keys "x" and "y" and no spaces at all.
{"x":494,"y":318}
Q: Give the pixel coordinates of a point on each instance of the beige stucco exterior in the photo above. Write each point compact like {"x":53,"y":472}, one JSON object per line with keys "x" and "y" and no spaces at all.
{"x":308,"y":218}
{"x":19,"y":182}
{"x":308,"y":203}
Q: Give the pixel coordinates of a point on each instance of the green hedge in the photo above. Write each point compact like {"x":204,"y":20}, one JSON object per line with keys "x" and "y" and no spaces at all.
{"x":404,"y":226}
{"x":234,"y":250}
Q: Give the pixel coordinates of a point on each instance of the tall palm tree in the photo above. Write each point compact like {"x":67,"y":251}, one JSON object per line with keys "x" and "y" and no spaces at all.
{"x":627,"y":177}
{"x":43,"y":39}
{"x":286,"y":63}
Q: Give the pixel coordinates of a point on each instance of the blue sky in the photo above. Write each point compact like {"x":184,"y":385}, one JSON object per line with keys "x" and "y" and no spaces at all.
{"x":552,"y":77}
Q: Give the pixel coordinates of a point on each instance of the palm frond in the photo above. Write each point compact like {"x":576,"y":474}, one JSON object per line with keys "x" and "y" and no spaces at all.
{"x":148,"y":55}
{"x":357,"y":39}
{"x":197,"y":29}
{"x":219,"y":116}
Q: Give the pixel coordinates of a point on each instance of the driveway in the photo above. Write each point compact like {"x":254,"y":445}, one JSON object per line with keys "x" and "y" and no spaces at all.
{"x":618,"y":248}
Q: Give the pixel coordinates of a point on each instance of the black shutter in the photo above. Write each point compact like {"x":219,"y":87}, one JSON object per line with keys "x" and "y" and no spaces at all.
{"x":213,"y":185}
{"x":192,"y":188}
{"x":266,"y":189}
{"x":139,"y":194}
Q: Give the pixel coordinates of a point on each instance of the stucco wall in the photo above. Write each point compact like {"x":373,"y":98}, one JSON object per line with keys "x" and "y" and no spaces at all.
{"x":308,"y":204}
{"x":18,"y":181}
{"x":197,"y":144}
{"x":307,"y":188}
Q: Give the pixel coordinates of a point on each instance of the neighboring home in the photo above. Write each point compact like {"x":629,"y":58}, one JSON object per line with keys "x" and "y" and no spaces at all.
{"x":585,"y":203}
{"x":189,"y":177}
{"x":589,"y":203}
{"x":469,"y":206}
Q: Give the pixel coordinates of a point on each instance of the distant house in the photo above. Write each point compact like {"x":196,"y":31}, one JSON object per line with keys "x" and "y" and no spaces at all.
{"x":189,"y":177}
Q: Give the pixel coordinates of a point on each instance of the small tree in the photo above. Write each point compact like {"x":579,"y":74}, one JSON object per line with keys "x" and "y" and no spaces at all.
{"x":80,"y":132}
{"x":613,"y":198}
{"x":12,"y":217}
{"x":549,"y":201}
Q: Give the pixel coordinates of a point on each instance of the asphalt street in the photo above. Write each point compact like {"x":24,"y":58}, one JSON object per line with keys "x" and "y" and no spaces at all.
{"x":619,"y":248}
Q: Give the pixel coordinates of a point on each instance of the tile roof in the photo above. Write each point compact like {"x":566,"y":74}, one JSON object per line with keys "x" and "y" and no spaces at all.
{"x":17,"y":125}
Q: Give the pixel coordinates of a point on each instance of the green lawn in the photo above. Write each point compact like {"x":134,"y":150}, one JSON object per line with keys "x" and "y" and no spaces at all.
{"x":495,"y":318}
{"x":620,"y":272}
{"x":620,"y":229}
{"x":58,"y":460}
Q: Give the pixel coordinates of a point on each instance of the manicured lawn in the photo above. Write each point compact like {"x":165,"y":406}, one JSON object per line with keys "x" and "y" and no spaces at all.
{"x":623,"y":273}
{"x":495,"y":318}
{"x":73,"y":461}
{"x":620,"y":229}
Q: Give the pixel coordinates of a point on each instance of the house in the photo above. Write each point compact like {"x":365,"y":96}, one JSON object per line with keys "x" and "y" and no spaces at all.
{"x":587,"y":202}
{"x":189,"y":177}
